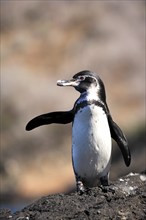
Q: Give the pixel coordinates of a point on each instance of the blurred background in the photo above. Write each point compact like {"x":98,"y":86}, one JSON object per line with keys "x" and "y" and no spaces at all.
{"x":43,"y":41}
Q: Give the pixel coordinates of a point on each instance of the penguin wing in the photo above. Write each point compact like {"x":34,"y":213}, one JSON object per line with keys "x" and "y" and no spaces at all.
{"x":119,"y":137}
{"x":49,"y":118}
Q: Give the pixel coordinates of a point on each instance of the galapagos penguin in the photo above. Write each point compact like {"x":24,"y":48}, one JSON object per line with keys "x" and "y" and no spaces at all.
{"x":92,"y":131}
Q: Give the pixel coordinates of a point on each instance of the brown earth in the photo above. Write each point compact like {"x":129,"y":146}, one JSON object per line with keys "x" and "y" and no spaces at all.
{"x":127,"y":202}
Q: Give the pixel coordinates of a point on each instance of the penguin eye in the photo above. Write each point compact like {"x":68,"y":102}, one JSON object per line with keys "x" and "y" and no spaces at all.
{"x":82,"y":78}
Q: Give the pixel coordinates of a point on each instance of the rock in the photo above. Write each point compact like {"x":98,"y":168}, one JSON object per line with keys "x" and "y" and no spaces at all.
{"x":127,"y":202}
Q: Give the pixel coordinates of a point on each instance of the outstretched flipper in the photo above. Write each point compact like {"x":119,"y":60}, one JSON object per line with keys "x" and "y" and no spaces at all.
{"x":121,"y":140}
{"x":49,"y":118}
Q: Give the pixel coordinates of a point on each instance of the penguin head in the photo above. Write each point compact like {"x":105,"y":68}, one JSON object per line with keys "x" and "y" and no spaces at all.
{"x":85,"y":81}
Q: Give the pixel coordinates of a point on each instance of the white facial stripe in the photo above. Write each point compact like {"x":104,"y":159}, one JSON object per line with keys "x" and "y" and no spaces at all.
{"x":85,"y":76}
{"x":92,"y":87}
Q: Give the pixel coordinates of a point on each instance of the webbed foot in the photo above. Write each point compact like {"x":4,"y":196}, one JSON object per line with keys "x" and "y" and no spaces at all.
{"x":81,"y":188}
{"x":105,"y":185}
{"x":107,"y":189}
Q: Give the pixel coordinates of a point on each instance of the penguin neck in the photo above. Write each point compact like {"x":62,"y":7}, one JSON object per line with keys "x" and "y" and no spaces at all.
{"x":89,"y":95}
{"x":87,"y":98}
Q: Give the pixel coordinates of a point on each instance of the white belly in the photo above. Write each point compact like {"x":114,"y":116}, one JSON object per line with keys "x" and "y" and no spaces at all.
{"x":91,"y":144}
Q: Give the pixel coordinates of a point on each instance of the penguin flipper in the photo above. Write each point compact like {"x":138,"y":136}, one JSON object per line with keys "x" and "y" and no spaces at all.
{"x":119,"y":137}
{"x":49,"y":118}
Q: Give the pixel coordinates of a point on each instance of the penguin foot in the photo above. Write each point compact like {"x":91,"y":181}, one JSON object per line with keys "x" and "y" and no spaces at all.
{"x":107,"y":189}
{"x":81,"y":188}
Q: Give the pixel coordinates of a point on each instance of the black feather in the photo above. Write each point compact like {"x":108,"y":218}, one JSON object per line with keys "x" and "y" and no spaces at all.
{"x":119,"y":137}
{"x":49,"y":118}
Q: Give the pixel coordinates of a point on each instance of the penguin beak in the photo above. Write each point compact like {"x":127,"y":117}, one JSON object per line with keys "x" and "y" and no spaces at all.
{"x":72,"y":82}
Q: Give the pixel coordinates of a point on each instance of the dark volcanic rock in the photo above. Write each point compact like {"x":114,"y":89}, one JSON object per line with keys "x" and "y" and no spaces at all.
{"x":128,"y":202}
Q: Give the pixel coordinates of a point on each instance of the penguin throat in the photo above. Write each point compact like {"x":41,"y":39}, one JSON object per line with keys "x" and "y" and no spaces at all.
{"x":85,"y":103}
{"x":90,"y":94}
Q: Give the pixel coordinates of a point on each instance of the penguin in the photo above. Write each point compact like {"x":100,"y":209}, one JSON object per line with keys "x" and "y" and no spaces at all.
{"x":92,"y":131}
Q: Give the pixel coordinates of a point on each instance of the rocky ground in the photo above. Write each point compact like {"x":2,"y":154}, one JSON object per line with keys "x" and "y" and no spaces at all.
{"x":128,"y":202}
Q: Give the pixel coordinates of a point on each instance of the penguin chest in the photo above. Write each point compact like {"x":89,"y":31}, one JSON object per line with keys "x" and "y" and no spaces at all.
{"x":91,"y":143}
